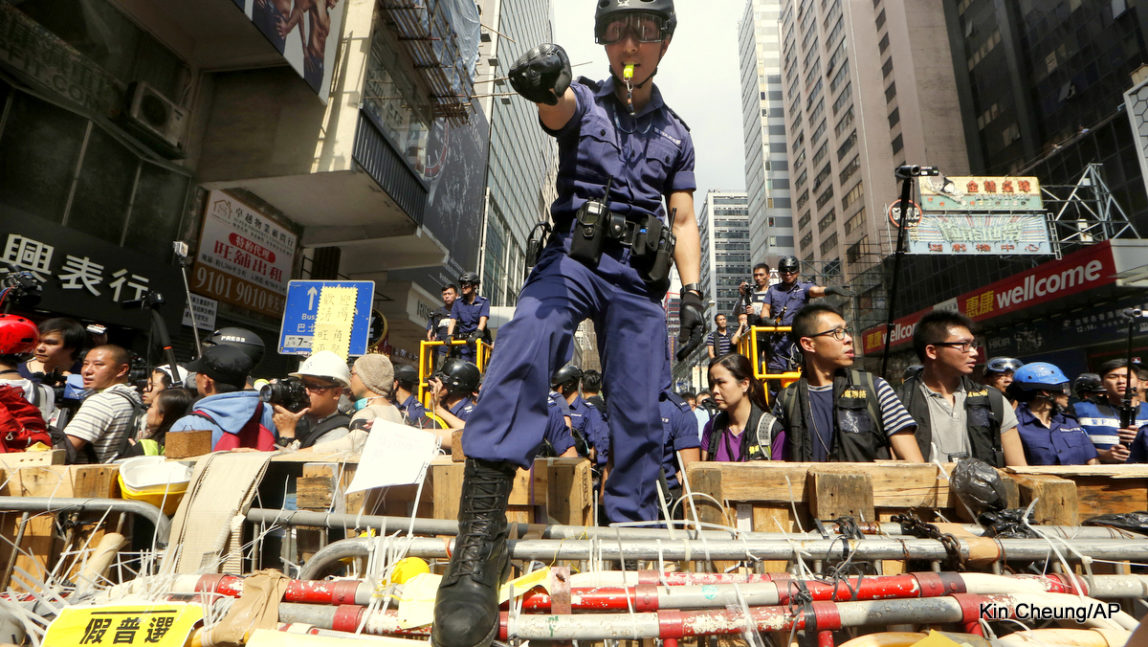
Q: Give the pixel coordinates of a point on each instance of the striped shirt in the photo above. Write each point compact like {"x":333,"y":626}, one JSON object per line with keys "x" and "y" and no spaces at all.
{"x":894,"y":416}
{"x":104,"y":420}
{"x":1102,"y":422}
{"x":720,"y":342}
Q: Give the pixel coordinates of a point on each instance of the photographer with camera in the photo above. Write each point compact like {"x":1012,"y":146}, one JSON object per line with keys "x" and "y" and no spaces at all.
{"x":322,"y":378}
{"x":236,"y":418}
{"x":468,"y":317}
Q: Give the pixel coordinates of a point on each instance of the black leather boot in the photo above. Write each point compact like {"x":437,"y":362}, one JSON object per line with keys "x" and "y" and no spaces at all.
{"x":466,"y":607}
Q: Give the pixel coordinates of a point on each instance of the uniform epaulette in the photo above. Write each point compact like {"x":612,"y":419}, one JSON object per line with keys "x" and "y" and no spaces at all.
{"x":679,"y":118}
{"x":677,"y":401}
{"x":590,"y":83}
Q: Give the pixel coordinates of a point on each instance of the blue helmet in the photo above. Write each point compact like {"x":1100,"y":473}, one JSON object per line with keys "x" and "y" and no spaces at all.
{"x":1039,"y":376}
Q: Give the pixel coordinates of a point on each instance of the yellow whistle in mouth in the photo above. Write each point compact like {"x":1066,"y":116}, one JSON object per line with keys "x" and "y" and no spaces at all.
{"x":628,"y":73}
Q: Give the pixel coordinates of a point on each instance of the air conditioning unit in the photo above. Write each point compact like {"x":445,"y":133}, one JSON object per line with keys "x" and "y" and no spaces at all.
{"x":156,"y":115}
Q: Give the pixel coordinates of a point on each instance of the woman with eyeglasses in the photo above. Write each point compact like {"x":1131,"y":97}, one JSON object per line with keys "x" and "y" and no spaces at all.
{"x":1051,"y":435}
{"x":744,"y":428}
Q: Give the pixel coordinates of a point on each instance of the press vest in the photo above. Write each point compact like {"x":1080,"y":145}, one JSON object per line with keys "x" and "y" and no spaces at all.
{"x":984,"y":411}
{"x":858,"y":435}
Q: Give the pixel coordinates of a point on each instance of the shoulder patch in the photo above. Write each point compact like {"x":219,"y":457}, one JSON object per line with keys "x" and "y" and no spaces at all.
{"x":679,"y":118}
{"x":590,"y":83}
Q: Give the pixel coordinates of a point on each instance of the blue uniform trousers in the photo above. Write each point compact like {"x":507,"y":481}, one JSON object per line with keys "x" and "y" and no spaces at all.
{"x":509,"y":421}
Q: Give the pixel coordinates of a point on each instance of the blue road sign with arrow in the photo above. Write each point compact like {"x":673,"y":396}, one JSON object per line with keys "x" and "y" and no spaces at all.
{"x":302,"y":309}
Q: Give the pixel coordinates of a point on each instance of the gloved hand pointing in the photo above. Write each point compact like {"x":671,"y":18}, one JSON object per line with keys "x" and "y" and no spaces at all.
{"x":542,"y":74}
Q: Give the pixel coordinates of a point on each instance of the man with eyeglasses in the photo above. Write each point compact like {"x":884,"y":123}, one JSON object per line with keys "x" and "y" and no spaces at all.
{"x":836,"y":412}
{"x":779,"y":307}
{"x":623,"y":217}
{"x":325,"y":375}
{"x":468,"y":316}
{"x":957,"y":417}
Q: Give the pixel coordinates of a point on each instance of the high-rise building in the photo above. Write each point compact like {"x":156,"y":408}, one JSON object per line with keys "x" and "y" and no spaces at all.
{"x":726,"y":262}
{"x":763,"y":124}
{"x":519,"y":189}
{"x":867,"y":87}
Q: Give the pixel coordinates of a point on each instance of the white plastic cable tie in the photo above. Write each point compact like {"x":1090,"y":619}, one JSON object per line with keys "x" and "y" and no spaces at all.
{"x":1069,"y":572}
{"x":793,"y":504}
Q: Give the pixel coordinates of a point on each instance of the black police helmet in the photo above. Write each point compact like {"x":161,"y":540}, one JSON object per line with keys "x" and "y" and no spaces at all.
{"x":406,"y":375}
{"x":607,"y":9}
{"x":1087,"y":384}
{"x":460,"y":375}
{"x":788,"y":264}
{"x":243,"y":339}
{"x":468,"y":277}
{"x":566,"y":375}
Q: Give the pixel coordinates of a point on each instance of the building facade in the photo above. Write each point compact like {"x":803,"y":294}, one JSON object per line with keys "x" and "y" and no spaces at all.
{"x":726,"y":261}
{"x":763,"y":126}
{"x":352,"y":152}
{"x":867,"y":87}
{"x":519,"y":185}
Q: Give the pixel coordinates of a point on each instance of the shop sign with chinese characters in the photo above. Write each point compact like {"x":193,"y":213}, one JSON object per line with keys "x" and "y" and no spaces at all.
{"x":154,"y":625}
{"x":985,"y":194}
{"x":244,"y":258}
{"x":84,"y":276}
{"x":980,"y":234}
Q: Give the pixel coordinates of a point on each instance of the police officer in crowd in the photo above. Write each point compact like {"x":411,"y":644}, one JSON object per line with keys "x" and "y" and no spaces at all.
{"x":836,"y":412}
{"x":680,"y":445}
{"x":586,"y":423}
{"x":592,"y":390}
{"x":1101,"y":418}
{"x":621,"y":152}
{"x":999,"y":373}
{"x":438,"y":324}
{"x":957,"y":417}
{"x":406,"y":396}
{"x":1051,"y":435}
{"x":468,"y":316}
{"x":780,"y":306}
{"x":452,"y":392}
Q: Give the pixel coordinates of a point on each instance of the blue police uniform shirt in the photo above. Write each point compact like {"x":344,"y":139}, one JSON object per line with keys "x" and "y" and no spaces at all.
{"x":590,"y":422}
{"x":462,"y":409}
{"x":557,"y":433}
{"x":1138,"y":452}
{"x":413,"y":410}
{"x":1102,"y":422}
{"x":466,"y":315}
{"x":1063,"y":442}
{"x":647,"y":156}
{"x":680,"y":432}
{"x":786,"y":301}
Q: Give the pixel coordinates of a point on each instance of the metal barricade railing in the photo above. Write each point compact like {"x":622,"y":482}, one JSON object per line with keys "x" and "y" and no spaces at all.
{"x":750,"y":346}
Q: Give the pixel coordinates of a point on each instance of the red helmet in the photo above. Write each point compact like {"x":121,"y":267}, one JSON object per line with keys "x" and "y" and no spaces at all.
{"x":17,"y":335}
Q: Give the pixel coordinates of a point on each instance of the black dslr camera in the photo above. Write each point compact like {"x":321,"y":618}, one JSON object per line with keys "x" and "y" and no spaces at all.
{"x":288,"y":393}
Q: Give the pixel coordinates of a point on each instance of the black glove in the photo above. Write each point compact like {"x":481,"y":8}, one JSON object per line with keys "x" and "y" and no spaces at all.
{"x":542,"y":74}
{"x":841,"y":292}
{"x":691,"y":314}
{"x":474,"y":336}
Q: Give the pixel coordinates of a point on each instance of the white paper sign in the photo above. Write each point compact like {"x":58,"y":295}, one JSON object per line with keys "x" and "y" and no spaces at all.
{"x":395,"y":454}
{"x":205,"y":312}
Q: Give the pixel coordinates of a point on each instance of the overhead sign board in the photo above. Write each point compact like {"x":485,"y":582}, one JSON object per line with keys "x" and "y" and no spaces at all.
{"x":327,"y":315}
{"x":979,"y":193}
{"x":980,"y":234}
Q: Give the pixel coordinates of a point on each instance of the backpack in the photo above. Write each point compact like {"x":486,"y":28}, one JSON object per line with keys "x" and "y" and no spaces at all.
{"x":21,"y":424}
{"x":253,"y":434}
{"x":87,"y":454}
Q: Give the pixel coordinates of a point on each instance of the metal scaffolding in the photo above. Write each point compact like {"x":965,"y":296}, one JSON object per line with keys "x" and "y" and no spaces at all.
{"x":1085,"y":213}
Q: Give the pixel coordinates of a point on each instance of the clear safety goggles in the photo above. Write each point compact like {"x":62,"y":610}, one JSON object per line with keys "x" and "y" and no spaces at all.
{"x":644,"y":27}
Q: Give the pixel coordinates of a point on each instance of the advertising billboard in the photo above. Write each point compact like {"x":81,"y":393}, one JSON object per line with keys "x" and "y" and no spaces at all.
{"x":305,"y":32}
{"x":980,"y":234}
{"x":976,"y":193}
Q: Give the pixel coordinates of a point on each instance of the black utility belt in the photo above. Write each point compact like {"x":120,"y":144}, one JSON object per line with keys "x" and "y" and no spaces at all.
{"x":650,"y":241}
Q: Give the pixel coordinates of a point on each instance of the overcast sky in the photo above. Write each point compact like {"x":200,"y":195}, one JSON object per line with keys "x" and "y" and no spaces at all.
{"x":698,"y":79}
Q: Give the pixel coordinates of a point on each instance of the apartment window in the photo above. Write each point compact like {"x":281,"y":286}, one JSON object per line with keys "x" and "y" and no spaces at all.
{"x":855,"y":194}
{"x":829,"y":244}
{"x":855,"y":221}
{"x":803,"y":221}
{"x":890,"y":92}
{"x":817,"y":132}
{"x":850,"y":169}
{"x":843,"y":123}
{"x":884,"y":44}
{"x":822,"y":175}
{"x":847,"y":145}
{"x":898,"y":144}
{"x":820,"y":154}
{"x":827,"y":220}
{"x":894,"y":117}
{"x":825,"y":197}
{"x":843,"y":99}
{"x":881,"y":20}
{"x":886,"y":68}
{"x":839,"y":78}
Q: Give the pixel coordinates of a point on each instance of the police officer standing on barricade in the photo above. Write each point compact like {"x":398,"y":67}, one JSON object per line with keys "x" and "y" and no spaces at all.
{"x":438,"y":323}
{"x":622,"y":152}
{"x":781,"y":304}
{"x":468,"y":317}
{"x":957,"y":417}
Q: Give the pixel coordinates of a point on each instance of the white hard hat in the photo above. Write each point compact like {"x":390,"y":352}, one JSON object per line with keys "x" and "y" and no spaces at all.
{"x":326,"y":364}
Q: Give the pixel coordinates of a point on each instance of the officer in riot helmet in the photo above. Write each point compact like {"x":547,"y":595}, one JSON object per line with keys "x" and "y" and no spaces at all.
{"x":452,"y":391}
{"x":243,"y":339}
{"x":1051,"y":435}
{"x":781,"y":304}
{"x":999,"y":373}
{"x":623,"y":217}
{"x":468,"y":316}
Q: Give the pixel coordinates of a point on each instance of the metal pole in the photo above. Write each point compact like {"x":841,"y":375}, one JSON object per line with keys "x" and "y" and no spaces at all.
{"x":891,"y":298}
{"x":75,"y":505}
